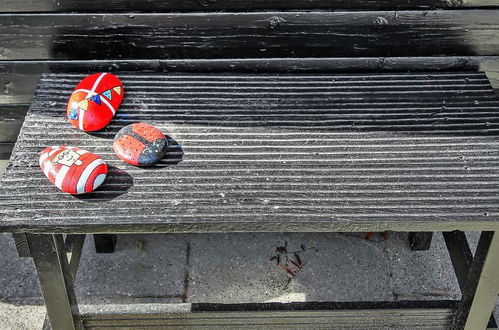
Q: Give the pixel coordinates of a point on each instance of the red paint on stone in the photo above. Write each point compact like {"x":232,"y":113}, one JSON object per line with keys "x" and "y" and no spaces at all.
{"x":94,"y":101}
{"x":140,"y":144}
{"x":73,"y":170}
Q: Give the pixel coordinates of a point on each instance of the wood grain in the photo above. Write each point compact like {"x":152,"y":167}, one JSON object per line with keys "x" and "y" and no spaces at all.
{"x":272,"y":152}
{"x":216,"y":5}
{"x":19,"y":78}
{"x":249,"y":35}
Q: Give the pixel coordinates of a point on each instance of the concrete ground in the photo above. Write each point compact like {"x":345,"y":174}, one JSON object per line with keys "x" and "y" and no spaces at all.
{"x":236,"y":267}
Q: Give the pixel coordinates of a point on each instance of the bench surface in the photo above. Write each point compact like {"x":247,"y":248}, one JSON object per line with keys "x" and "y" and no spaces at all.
{"x":351,"y":152}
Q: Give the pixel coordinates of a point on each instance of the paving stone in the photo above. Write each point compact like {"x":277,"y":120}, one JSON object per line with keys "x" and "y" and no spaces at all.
{"x":18,"y":281}
{"x":142,"y":268}
{"x":229,"y":268}
{"x":421,"y":275}
{"x":21,"y":317}
{"x":236,"y":267}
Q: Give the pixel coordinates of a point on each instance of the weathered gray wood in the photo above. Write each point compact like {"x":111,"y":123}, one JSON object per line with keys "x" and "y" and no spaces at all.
{"x":20,"y":77}
{"x":262,"y":152}
{"x":482,"y":287}
{"x":76,"y":252}
{"x":18,"y":87}
{"x":462,"y":258}
{"x":56,"y":281}
{"x":249,"y":35}
{"x":105,"y":243}
{"x":420,"y":241}
{"x":22,"y":247}
{"x":210,"y":5}
{"x":355,"y":315}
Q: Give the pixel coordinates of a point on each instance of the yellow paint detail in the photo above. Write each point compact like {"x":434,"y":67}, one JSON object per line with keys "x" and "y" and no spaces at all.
{"x":83,"y":104}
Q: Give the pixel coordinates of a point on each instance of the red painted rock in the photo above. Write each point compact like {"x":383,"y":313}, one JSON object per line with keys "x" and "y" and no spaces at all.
{"x":140,"y":144}
{"x":94,"y":101}
{"x":73,"y":170}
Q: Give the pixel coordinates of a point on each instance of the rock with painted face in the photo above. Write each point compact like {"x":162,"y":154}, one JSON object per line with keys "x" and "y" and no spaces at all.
{"x":140,"y":144}
{"x":94,"y":101}
{"x":73,"y":170}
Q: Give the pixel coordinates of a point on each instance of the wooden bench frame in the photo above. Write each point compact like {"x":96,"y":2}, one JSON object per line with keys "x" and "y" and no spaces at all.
{"x":468,"y":44}
{"x":477,"y":277}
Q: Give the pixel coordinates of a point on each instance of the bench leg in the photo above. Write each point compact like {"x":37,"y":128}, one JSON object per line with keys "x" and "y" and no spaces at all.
{"x":56,"y":280}
{"x":104,"y":243}
{"x":462,"y":258}
{"x":482,"y":285}
{"x":21,"y":242}
{"x":420,"y":241}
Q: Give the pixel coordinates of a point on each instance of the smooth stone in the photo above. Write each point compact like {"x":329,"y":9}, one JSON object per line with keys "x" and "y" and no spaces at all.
{"x":73,"y":170}
{"x":140,"y":144}
{"x":94,"y":101}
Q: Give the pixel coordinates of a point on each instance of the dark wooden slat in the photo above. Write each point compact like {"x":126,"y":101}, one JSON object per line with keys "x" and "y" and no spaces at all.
{"x":265,"y":152}
{"x":249,"y":35}
{"x":420,"y":241}
{"x":257,"y":65}
{"x":6,"y":149}
{"x":358,"y":315}
{"x":17,"y":88}
{"x":209,"y":5}
{"x":11,"y":119}
{"x":20,"y":77}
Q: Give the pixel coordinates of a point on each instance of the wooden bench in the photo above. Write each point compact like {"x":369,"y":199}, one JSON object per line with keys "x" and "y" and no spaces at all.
{"x":267,"y":152}
{"x":314,"y":41}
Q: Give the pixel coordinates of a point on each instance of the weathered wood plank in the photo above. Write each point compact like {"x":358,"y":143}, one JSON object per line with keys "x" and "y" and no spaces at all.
{"x":17,"y":87}
{"x":359,"y":315}
{"x":6,"y":149}
{"x":264,"y":152}
{"x":19,"y":78}
{"x":210,"y":5}
{"x":11,"y":119}
{"x":249,"y":35}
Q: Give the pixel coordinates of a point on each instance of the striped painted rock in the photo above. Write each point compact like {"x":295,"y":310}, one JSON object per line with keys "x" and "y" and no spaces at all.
{"x":94,"y":101}
{"x":140,"y":144}
{"x":73,"y":170}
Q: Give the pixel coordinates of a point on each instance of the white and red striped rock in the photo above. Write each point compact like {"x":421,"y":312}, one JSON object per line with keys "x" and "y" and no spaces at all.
{"x":73,"y":170}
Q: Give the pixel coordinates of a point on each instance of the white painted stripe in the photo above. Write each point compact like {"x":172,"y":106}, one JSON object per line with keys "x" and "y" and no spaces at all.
{"x":80,"y":119}
{"x":98,"y":180}
{"x":109,"y":105}
{"x":88,"y":91}
{"x":47,"y":167}
{"x":60,"y":176}
{"x":80,"y":187}
{"x":53,"y":151}
{"x":42,"y":158}
{"x":81,"y":152}
{"x":96,"y":83}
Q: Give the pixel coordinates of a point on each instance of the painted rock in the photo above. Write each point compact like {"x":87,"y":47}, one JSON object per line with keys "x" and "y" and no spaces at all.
{"x":94,"y":101}
{"x":73,"y":170}
{"x":140,"y":144}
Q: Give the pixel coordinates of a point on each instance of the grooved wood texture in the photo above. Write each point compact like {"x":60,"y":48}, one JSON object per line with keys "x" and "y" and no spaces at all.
{"x":216,"y":5}
{"x":248,"y":34}
{"x":274,"y":152}
{"x":396,"y":319}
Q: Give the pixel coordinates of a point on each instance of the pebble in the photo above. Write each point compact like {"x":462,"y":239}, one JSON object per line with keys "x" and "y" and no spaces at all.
{"x":73,"y":170}
{"x":94,"y":101}
{"x":140,"y":144}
